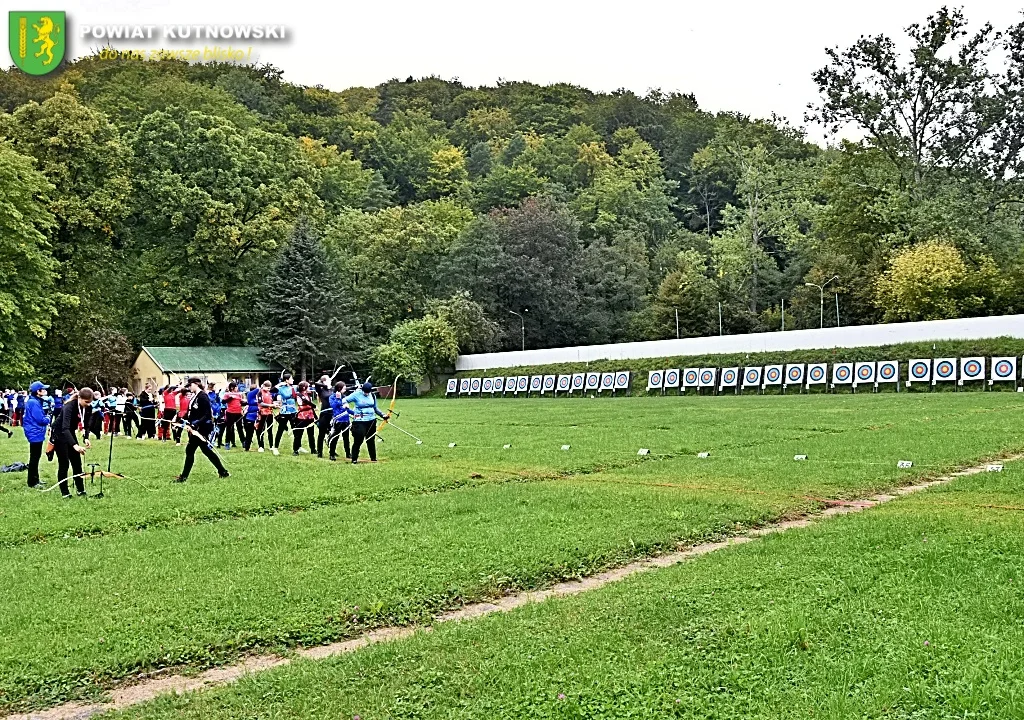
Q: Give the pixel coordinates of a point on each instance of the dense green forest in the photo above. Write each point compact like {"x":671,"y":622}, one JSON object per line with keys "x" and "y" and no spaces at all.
{"x":164,"y":203}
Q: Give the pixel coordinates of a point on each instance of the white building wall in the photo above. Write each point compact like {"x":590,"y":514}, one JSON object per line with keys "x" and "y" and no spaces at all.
{"x":827,"y":338}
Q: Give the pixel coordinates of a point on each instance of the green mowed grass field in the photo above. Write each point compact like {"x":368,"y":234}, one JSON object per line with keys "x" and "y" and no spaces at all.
{"x":912,"y":610}
{"x":295,"y":551}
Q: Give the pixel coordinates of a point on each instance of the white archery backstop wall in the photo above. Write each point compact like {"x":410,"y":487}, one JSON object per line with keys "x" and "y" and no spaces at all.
{"x":827,"y":338}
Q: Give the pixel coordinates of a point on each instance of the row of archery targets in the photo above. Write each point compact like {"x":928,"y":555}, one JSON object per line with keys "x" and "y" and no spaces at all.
{"x":927,"y":372}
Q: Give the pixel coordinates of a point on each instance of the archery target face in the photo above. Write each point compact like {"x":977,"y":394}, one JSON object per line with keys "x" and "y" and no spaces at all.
{"x":453,"y":385}
{"x":919,"y":370}
{"x":622,"y":381}
{"x":795,"y":374}
{"x":488,"y":385}
{"x":464,"y":385}
{"x":563,"y":382}
{"x":672,"y":378}
{"x":865,"y":372}
{"x":842,"y":373}
{"x":511,"y":384}
{"x":887,"y":371}
{"x":607,"y":381}
{"x":707,"y":377}
{"x":1003,"y":370}
{"x":752,"y":376}
{"x":536,"y":382}
{"x":972,"y":369}
{"x":524,"y":383}
{"x":593,"y":381}
{"x":772,"y":375}
{"x":729,"y":377}
{"x":655,"y":379}
{"x":817,"y":373}
{"x":691,"y":377}
{"x":577,"y":381}
{"x":499,"y":384}
{"x":944,"y":369}
{"x":475,"y":385}
{"x":549,"y":382}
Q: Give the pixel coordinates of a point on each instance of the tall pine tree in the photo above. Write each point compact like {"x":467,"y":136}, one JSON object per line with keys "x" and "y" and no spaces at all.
{"x":305,"y":319}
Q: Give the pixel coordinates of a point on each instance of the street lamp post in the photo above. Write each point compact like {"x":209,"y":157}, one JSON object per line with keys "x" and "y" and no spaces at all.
{"x":821,"y":296}
{"x":513,"y":312}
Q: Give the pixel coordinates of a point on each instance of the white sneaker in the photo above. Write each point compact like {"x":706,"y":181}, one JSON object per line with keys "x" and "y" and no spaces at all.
{"x":304,"y":450}
{"x":275,"y":451}
{"x":260,"y":450}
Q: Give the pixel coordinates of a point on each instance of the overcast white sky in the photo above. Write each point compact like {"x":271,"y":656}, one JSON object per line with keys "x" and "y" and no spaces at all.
{"x":752,"y":57}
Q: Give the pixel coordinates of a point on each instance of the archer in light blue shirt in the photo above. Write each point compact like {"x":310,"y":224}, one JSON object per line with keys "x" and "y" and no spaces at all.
{"x":364,"y":404}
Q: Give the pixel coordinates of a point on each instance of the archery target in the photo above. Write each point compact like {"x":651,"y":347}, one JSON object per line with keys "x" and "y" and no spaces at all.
{"x":549,"y":383}
{"x":499,"y":384}
{"x":511,"y":383}
{"x":794,"y":374}
{"x":536,"y":383}
{"x":842,"y":373}
{"x":523,"y":384}
{"x":1004,"y":368}
{"x":564,"y":382}
{"x":607,"y":381}
{"x":945,"y":370}
{"x":488,"y":385}
{"x":730,"y":376}
{"x":972,"y":368}
{"x":707,"y":377}
{"x":751,"y":377}
{"x":622,"y":380}
{"x":672,"y":378}
{"x":888,"y":371}
{"x":865,"y":372}
{"x":578,"y":381}
{"x":655,"y":379}
{"x":464,"y":385}
{"x":474,"y":385}
{"x":453,"y":386}
{"x":919,"y":370}
{"x":817,"y":373}
{"x":690,"y":377}
{"x":773,"y":375}
{"x":593,"y":381}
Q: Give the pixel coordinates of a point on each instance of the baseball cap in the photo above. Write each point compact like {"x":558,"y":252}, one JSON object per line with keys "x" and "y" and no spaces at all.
{"x":37,"y":386}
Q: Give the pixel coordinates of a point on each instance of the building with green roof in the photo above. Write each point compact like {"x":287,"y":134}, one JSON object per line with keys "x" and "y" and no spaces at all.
{"x":161,"y":366}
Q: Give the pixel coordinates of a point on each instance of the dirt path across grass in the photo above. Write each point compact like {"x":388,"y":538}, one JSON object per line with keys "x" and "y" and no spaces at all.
{"x":143,"y":690}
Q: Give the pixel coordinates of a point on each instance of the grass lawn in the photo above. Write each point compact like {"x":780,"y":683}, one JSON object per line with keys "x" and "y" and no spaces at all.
{"x":910,"y":610}
{"x":283,"y":552}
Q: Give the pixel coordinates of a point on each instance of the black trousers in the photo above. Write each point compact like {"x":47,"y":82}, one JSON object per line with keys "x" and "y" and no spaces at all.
{"x":147,"y":428}
{"x":130,"y":418}
{"x":263,"y":426}
{"x":198,"y":443}
{"x":323,"y":424}
{"x":232,"y":430}
{"x":283,"y":421}
{"x":35,"y":452}
{"x":340,"y":430}
{"x":248,"y":430}
{"x":68,"y":458}
{"x":300,"y":426}
{"x":97,"y":426}
{"x":364,"y":431}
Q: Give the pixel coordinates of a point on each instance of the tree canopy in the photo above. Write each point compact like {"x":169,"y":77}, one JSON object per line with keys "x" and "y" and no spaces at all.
{"x":167,"y":203}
